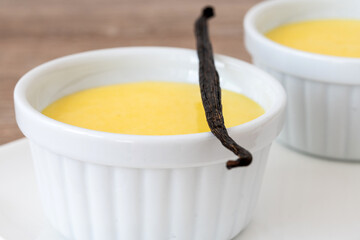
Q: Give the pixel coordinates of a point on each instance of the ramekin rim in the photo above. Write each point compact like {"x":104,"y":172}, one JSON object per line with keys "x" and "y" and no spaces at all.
{"x":254,"y":34}
{"x":19,"y":98}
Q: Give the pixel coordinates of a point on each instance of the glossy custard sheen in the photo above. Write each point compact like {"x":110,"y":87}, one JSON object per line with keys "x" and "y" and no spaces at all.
{"x":336,"y":37}
{"x":148,"y":108}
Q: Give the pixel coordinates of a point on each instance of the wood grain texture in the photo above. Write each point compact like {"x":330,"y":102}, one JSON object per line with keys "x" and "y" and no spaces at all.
{"x":36,"y":31}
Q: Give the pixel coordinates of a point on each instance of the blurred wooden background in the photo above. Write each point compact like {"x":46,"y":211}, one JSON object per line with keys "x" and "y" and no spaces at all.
{"x":35,"y":31}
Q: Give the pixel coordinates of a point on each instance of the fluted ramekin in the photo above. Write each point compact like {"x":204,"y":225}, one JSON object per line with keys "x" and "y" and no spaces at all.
{"x":97,"y":185}
{"x":323,"y":111}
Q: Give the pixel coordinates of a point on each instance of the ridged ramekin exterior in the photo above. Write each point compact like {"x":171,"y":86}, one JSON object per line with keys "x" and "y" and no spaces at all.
{"x":105,"y":186}
{"x":323,"y":112}
{"x":86,"y":201}
{"x":321,"y":118}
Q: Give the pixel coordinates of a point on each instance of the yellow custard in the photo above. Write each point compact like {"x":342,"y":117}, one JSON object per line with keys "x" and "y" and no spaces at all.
{"x":148,"y":108}
{"x":336,"y":37}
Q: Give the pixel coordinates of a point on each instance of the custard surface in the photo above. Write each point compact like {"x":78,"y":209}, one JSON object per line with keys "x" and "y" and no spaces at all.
{"x":148,"y":108}
{"x":335,"y":37}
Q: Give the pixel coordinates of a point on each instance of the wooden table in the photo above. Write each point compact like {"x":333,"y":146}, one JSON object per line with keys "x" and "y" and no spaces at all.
{"x":36,"y":31}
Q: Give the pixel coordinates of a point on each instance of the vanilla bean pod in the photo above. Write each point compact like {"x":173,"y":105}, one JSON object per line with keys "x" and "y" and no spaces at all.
{"x":211,"y":92}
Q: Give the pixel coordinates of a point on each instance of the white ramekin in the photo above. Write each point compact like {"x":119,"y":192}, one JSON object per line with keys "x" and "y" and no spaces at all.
{"x":323,"y":111}
{"x":96,"y":185}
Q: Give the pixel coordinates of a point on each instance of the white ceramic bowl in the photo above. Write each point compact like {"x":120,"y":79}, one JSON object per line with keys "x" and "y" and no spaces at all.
{"x":323,"y":111}
{"x":98,"y":185}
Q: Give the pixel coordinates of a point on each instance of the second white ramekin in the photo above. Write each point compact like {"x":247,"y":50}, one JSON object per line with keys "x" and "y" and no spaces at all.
{"x":323,"y":111}
{"x":104,"y":186}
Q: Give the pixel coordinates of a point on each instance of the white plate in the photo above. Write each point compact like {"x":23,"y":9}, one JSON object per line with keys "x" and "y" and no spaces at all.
{"x":302,"y":198}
